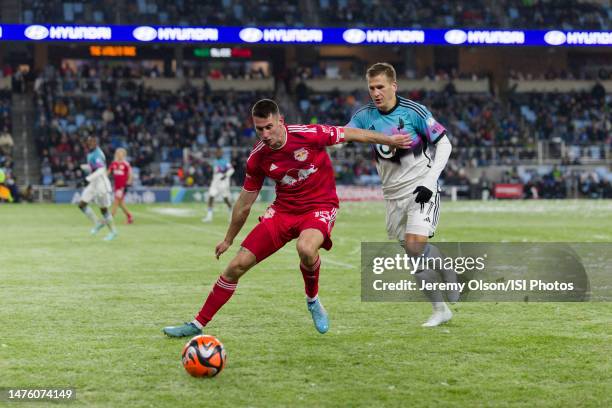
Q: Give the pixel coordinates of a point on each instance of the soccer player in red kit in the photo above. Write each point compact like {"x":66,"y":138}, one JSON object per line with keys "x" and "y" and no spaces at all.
{"x":122,"y":175}
{"x":295,"y":157}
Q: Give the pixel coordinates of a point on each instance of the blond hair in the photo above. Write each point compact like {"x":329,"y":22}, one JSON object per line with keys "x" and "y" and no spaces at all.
{"x":382,"y":68}
{"x":120,"y":153}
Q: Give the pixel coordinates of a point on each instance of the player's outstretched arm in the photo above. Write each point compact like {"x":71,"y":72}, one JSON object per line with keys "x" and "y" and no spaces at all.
{"x":369,"y":136}
{"x":240,"y":213}
{"x":96,"y":174}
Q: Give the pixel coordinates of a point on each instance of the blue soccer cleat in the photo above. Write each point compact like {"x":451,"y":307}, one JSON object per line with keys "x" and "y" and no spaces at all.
{"x":97,"y":228}
{"x":184,"y":330}
{"x":319,"y":316}
{"x":110,"y":236}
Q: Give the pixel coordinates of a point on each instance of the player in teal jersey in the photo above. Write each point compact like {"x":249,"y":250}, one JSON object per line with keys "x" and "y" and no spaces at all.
{"x":98,"y":190}
{"x":409,"y":176}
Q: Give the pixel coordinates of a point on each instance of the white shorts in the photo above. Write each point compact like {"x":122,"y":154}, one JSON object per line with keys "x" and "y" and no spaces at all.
{"x":405,"y":216}
{"x":220,"y":189}
{"x":98,"y":194}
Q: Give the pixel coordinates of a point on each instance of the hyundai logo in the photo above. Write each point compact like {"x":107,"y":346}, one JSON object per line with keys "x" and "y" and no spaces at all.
{"x":354,"y":36}
{"x":555,"y":37}
{"x":36,"y":32}
{"x":144,"y":33}
{"x":251,"y":34}
{"x":455,"y":37}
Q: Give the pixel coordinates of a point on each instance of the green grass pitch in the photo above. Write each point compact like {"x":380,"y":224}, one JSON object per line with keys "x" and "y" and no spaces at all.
{"x":76,"y":311}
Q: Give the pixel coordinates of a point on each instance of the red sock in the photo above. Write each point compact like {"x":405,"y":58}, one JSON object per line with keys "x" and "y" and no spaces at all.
{"x":311,"y":277}
{"x":221,"y":292}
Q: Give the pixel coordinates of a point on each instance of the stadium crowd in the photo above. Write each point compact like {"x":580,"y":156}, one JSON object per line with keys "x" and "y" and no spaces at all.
{"x":483,"y":120}
{"x":161,"y":130}
{"x":163,"y":12}
{"x":564,"y":14}
{"x":9,"y":190}
{"x":168,"y":135}
{"x":7,"y":142}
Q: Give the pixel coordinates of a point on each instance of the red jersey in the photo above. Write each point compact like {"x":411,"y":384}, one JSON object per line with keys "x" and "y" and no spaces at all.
{"x":121,"y":173}
{"x":301,"y":168}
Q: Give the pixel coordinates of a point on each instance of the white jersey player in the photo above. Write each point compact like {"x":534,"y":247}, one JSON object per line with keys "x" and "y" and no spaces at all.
{"x":220,"y":184}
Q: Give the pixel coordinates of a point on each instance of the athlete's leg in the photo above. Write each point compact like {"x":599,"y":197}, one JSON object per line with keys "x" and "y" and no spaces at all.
{"x":209,"y":214}
{"x":108,"y":219}
{"x":315,"y":233}
{"x":265,"y":239}
{"x":415,"y":247}
{"x":114,"y":207}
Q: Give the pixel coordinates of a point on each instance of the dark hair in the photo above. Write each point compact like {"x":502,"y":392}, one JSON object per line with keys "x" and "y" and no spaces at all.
{"x":382,"y":68}
{"x":264,"y":108}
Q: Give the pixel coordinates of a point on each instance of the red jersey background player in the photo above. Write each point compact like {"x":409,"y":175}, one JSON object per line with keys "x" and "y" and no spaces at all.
{"x":295,"y":157}
{"x":121,"y":171}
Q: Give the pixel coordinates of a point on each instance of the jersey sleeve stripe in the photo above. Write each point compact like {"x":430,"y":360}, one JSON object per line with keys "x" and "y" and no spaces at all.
{"x":305,"y":130}
{"x":257,"y":148}
{"x":411,"y":105}
{"x":298,"y":127}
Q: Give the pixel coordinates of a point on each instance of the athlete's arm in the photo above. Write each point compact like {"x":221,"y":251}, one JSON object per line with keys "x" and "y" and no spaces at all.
{"x":240,"y":213}
{"x":130,"y":176}
{"x":369,"y":136}
{"x":230,"y":171}
{"x":429,"y":185}
{"x":228,"y":174}
{"x":98,"y":173}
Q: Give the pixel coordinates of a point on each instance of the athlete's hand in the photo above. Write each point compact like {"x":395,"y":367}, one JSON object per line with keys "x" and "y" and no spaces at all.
{"x":221,"y":248}
{"x":401,"y":141}
{"x":423,"y":195}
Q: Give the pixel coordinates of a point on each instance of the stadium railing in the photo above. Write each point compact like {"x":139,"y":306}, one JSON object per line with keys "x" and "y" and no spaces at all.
{"x":173,"y":84}
{"x":556,"y":85}
{"x":350,"y":85}
{"x":94,"y":85}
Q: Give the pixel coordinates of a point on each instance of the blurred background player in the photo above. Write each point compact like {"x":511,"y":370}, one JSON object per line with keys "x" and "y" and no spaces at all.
{"x":98,"y":190}
{"x":220,"y":184}
{"x":122,"y":177}
{"x":409,"y":176}
{"x":295,"y":157}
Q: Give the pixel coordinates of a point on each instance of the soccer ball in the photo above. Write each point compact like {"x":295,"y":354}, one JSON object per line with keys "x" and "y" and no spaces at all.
{"x":204,"y":356}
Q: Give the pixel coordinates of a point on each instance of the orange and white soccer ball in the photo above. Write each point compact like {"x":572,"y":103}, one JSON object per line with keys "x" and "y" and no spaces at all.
{"x":204,"y":356}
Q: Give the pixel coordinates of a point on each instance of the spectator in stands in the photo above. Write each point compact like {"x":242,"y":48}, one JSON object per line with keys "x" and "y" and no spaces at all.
{"x":5,"y":192}
{"x":540,"y":14}
{"x":6,"y":142}
{"x":168,"y":131}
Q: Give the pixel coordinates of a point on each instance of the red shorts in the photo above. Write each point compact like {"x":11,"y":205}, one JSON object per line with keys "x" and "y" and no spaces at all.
{"x":120,"y":193}
{"x":275,"y":229}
